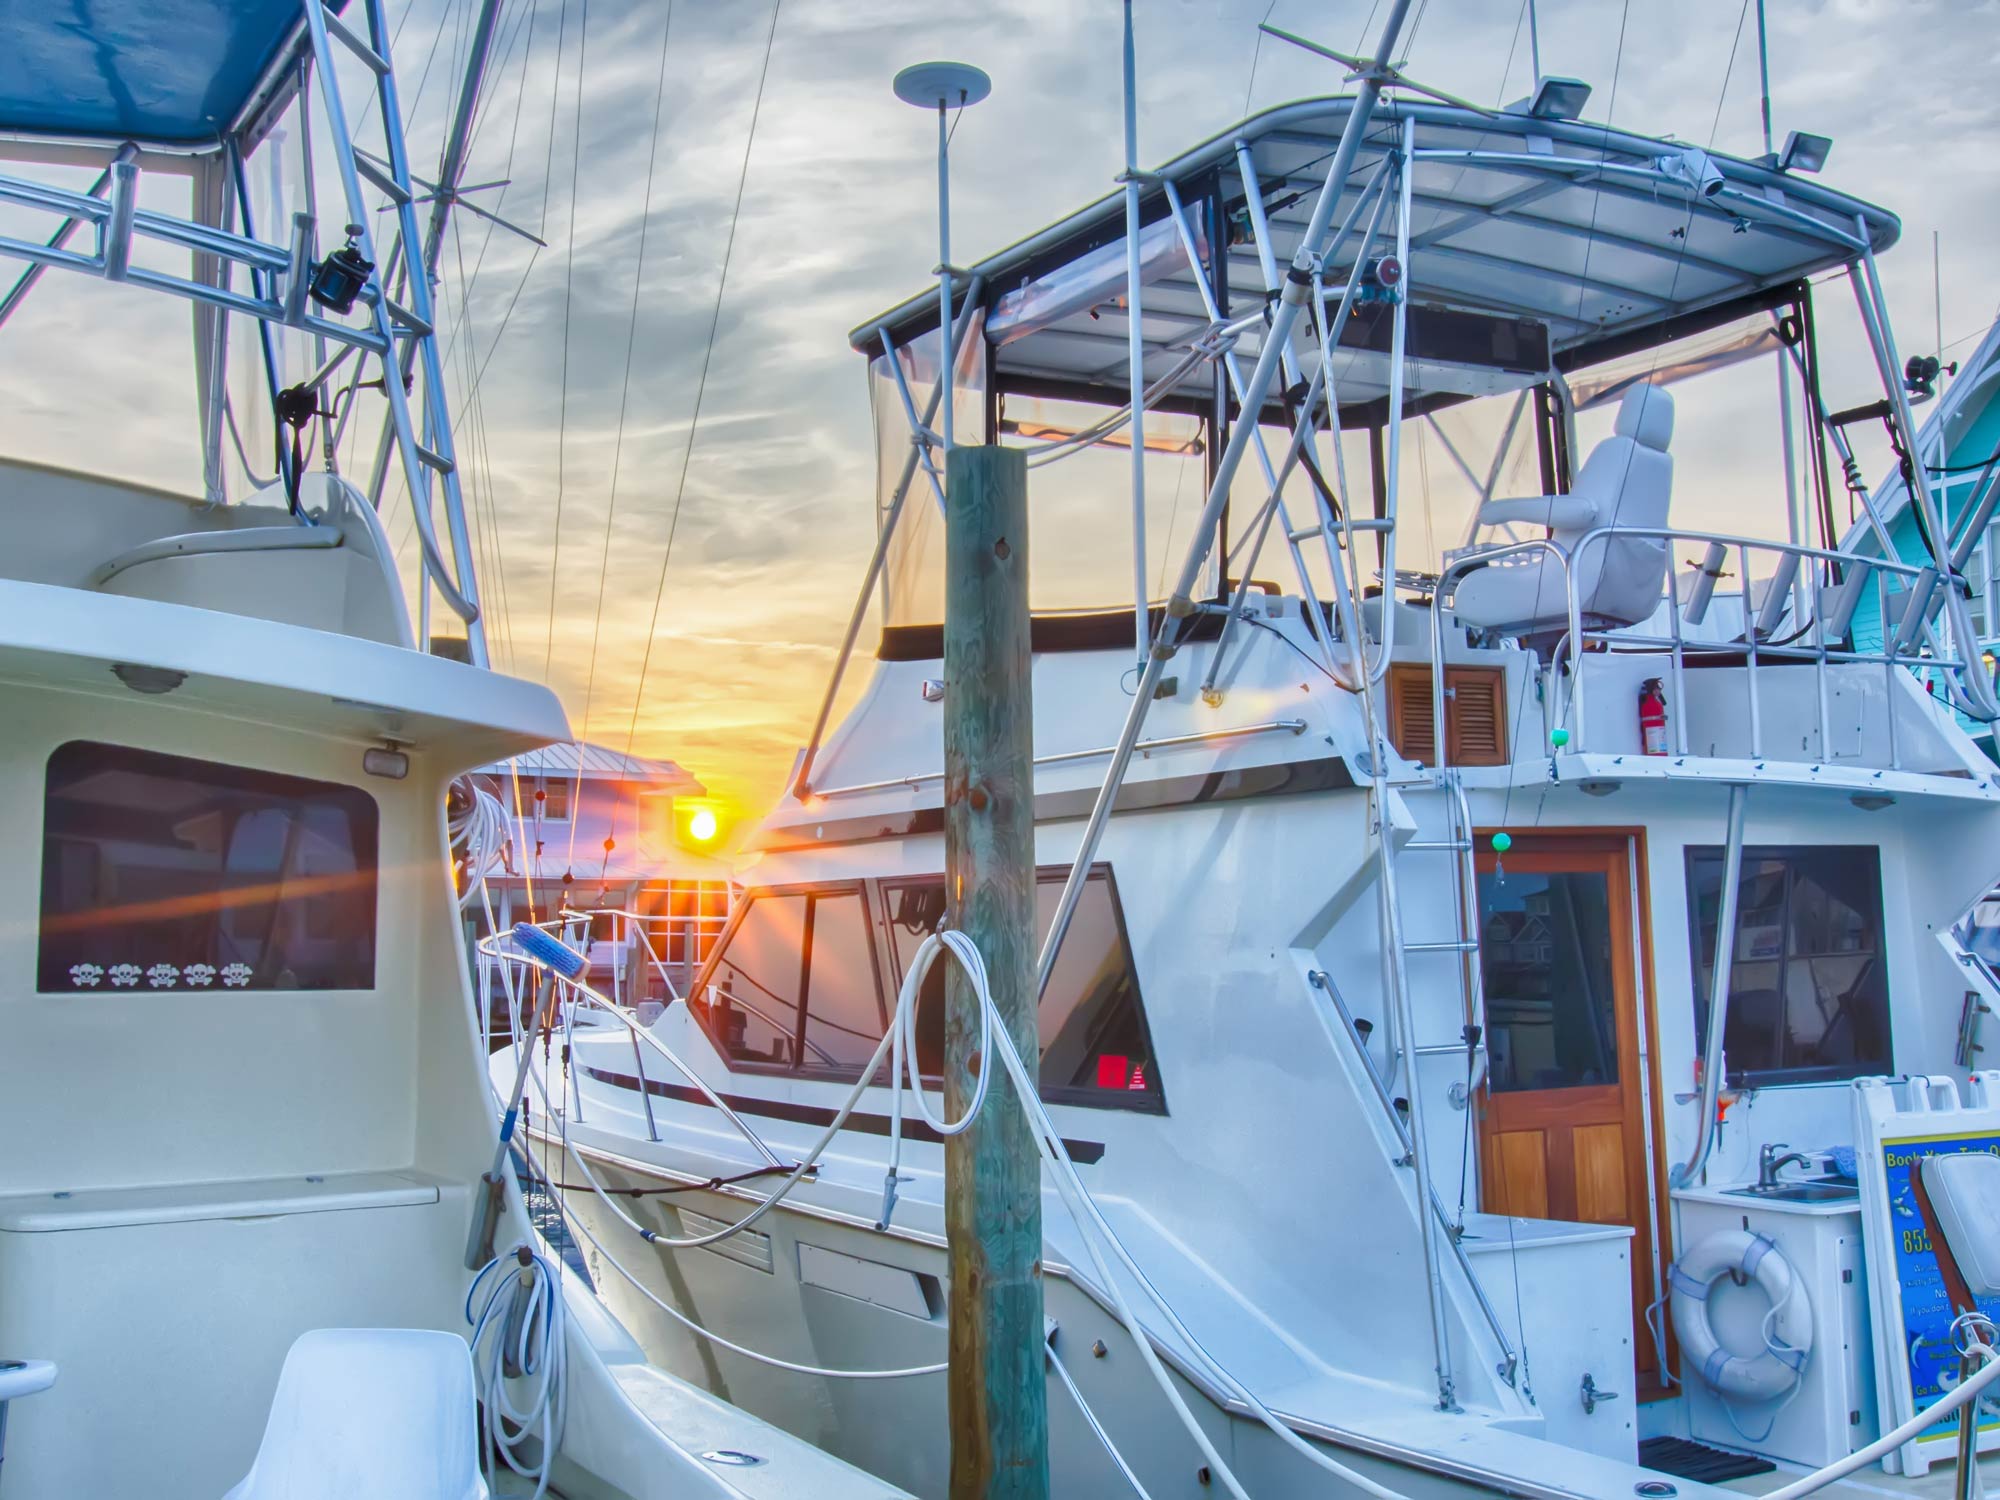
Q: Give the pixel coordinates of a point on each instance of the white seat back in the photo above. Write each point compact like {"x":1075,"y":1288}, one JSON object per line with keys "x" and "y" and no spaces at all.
{"x":370,"y":1411}
{"x":1629,"y":479}
{"x":1626,"y":482}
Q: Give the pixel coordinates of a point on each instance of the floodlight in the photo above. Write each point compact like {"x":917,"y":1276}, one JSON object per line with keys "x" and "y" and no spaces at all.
{"x":1555,"y":99}
{"x":1804,"y":153}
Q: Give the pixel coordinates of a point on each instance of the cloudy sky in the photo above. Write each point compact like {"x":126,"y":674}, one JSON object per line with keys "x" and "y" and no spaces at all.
{"x":624,"y":131}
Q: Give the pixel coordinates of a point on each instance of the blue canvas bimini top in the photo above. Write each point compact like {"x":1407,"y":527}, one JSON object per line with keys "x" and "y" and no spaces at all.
{"x":165,"y":72}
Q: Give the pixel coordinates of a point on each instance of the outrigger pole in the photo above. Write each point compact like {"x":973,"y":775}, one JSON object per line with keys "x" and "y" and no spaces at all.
{"x":1135,"y":344}
{"x":1180,"y":605}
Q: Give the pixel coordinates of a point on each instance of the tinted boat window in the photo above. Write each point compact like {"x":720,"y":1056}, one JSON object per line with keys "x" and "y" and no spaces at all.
{"x":752,"y":995}
{"x":1809,"y":988}
{"x":160,"y":872}
{"x":844,"y":1016}
{"x":1092,"y":1024}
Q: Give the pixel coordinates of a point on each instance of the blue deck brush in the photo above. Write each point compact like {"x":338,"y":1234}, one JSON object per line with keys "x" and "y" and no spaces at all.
{"x":1841,"y":1159}
{"x":552,"y":953}
{"x":548,"y":950}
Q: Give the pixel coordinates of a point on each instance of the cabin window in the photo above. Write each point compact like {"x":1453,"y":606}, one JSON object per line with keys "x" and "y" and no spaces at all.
{"x":1095,"y":1045}
{"x":160,"y":872}
{"x":795,"y":985}
{"x":1808,"y":988}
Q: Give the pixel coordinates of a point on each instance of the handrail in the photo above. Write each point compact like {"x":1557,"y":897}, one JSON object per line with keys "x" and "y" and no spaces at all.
{"x":1323,"y":981}
{"x":111,"y":261}
{"x":1909,"y":644}
{"x":1718,"y":993}
{"x":1165,"y":742}
{"x":491,"y":948}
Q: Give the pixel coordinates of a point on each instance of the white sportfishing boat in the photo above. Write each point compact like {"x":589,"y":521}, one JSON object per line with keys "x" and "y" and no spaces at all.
{"x":1399,"y":1099}
{"x":251,"y":1193}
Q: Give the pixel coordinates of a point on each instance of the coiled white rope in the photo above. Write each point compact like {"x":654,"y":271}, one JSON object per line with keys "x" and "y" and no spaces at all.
{"x":1966,"y":1390}
{"x":521,"y":1325}
{"x":903,"y":1053}
{"x":479,"y":838}
{"x":1098,"y":1237}
{"x":900,"y":1042}
{"x":900,"y":1039}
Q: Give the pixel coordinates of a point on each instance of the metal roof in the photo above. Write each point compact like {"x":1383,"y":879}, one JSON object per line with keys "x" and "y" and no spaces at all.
{"x":597,"y":763}
{"x":1571,"y":226}
{"x":156,"y":72}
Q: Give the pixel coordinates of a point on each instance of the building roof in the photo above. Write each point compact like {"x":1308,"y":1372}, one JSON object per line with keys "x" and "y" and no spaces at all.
{"x":598,"y":763}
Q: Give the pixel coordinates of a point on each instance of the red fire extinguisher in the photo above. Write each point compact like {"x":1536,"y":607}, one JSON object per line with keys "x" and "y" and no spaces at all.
{"x":1652,"y":717}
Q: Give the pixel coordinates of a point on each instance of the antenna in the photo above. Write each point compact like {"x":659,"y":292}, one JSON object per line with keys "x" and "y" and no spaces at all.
{"x":1763,"y":74}
{"x":1135,"y":344}
{"x":943,"y":86}
{"x":1535,"y":40}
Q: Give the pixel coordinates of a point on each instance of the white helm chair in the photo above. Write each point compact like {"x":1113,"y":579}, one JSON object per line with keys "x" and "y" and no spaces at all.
{"x":1626,"y":482}
{"x":371,"y":1412}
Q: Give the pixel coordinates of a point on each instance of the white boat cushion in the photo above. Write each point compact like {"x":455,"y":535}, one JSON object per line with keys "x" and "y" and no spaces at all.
{"x":370,"y":1412}
{"x":1626,"y":481}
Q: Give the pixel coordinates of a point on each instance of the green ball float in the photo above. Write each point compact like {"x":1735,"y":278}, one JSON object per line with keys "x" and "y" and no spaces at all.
{"x":1559,"y":737}
{"x":1502,"y":842}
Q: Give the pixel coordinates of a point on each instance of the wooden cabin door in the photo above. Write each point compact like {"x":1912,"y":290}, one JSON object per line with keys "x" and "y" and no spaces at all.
{"x":1562,"y":1125}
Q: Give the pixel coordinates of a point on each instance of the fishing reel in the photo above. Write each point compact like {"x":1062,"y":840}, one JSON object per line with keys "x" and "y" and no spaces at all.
{"x":1381,"y":281}
{"x":1920,"y":376}
{"x":337,"y":281}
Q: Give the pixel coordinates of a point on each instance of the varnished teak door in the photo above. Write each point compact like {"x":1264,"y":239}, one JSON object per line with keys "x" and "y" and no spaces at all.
{"x":1562,"y":1125}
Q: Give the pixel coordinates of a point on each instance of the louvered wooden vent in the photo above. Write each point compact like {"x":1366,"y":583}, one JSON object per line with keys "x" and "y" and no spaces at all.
{"x":1475,"y":715}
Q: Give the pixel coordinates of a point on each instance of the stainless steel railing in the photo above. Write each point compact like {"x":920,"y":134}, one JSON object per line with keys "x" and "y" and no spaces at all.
{"x":1908,"y":640}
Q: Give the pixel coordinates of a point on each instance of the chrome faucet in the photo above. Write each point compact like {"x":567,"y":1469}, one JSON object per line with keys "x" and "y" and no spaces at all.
{"x":1770,"y":1163}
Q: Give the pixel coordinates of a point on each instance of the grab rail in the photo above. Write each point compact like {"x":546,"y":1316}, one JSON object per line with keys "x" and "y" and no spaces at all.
{"x":1906,"y":642}
{"x":1165,"y":742}
{"x":1323,"y":981}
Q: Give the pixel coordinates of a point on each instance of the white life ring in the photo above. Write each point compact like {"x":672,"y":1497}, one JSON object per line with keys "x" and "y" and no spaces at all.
{"x":1787,"y":1327}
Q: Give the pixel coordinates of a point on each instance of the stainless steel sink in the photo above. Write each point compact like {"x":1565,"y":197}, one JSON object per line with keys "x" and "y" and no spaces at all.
{"x":1812,"y":1190}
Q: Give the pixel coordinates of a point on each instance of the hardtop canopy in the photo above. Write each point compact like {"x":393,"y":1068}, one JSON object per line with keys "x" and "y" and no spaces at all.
{"x":165,"y":73}
{"x":1553,"y":242}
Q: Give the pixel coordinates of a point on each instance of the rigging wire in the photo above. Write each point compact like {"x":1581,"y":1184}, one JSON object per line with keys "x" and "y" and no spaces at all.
{"x":701,"y":384}
{"x":1722,"y":94}
{"x":1256,"y":56}
{"x":624,"y":402}
{"x":569,"y":277}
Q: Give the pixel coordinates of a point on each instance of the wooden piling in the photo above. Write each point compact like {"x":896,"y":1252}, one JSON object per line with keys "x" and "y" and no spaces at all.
{"x":993,"y":1181}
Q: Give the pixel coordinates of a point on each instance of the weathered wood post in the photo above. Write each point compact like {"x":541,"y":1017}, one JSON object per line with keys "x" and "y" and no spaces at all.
{"x":993,"y":1180}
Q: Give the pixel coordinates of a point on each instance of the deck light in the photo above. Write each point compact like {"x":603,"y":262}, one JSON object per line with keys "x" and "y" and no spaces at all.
{"x":1804,"y":153}
{"x":1693,"y":166}
{"x":1554,"y":99}
{"x":152,"y":681}
{"x":1872,"y":801}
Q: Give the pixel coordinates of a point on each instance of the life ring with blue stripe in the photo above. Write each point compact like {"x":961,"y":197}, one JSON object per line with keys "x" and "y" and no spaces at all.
{"x":1787,"y":1329}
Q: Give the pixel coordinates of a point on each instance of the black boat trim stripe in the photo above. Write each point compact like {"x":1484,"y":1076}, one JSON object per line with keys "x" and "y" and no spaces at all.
{"x":1083,"y":1153}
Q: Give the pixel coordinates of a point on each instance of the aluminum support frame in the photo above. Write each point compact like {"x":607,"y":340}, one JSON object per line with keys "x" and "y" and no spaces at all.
{"x":455,"y":583}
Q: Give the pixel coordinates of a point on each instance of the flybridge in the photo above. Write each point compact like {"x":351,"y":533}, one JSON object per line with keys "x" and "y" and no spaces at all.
{"x":1583,"y":236}
{"x":194,"y":91}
